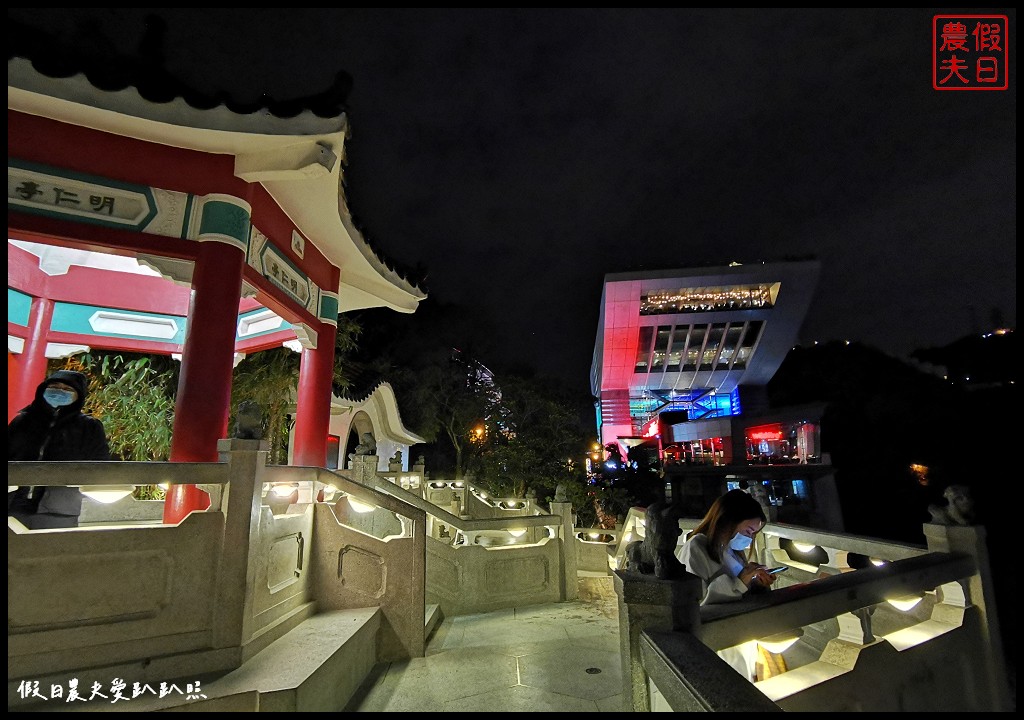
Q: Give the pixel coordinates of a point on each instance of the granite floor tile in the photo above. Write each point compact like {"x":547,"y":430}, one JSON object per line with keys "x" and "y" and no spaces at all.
{"x":573,"y":670}
{"x":520,"y":699}
{"x":557,"y":657}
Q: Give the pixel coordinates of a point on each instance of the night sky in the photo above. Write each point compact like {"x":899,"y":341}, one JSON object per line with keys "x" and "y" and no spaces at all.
{"x":517,"y":156}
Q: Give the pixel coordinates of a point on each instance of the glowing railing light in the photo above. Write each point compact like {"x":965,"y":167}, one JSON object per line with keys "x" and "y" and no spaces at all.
{"x":460,"y":484}
{"x":780,"y":642}
{"x":164,"y":486}
{"x":283,"y":490}
{"x":877,"y":562}
{"x":594,"y":535}
{"x":906,"y":602}
{"x":517,"y":532}
{"x":107,"y":494}
{"x":329,"y":491}
{"x":359,"y":506}
{"x":803,"y":547}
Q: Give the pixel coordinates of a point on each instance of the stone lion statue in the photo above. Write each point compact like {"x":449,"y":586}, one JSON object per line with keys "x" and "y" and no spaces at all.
{"x":367,"y":445}
{"x":958,"y":510}
{"x":656,"y":553}
{"x":249,"y":421}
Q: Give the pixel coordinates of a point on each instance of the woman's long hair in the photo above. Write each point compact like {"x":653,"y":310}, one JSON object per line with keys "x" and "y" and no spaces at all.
{"x":724,"y":515}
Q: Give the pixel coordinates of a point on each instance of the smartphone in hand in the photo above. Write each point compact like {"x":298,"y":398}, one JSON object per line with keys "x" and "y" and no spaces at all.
{"x":777,"y":570}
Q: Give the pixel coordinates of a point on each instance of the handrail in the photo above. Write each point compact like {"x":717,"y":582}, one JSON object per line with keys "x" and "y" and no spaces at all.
{"x":888,"y":550}
{"x":761,"y":615}
{"x":443,"y":515}
{"x":872,"y":547}
{"x":309,"y":473}
{"x":685,"y":669}
{"x":115,"y":472}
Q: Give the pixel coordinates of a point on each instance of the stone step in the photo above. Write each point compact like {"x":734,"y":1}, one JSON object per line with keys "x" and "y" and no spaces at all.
{"x":433,"y":619}
{"x":315,"y":667}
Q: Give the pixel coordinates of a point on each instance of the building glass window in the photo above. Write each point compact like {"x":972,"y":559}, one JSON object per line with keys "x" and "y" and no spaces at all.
{"x":660,"y":348}
{"x":800,"y":489}
{"x":706,"y":451}
{"x":712,"y":345}
{"x":694,"y":347}
{"x":729,"y":346}
{"x":709,"y":299}
{"x":783,"y":443}
{"x":753,"y":332}
{"x":676,"y":347}
{"x":643,"y":349}
{"x":333,"y":449}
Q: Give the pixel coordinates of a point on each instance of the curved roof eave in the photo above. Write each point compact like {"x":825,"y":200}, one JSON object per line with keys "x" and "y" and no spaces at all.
{"x":384,"y":396}
{"x":383,"y":399}
{"x":283,"y":154}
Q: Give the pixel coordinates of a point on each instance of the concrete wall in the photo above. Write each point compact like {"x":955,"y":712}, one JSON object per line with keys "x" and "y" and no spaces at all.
{"x":140,"y":602}
{"x":471,"y":579}
{"x":127,"y":509}
{"x":593,"y":556}
{"x":354,"y":569}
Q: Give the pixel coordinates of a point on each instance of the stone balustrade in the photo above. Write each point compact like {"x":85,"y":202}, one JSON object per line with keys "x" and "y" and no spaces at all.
{"x":135,"y":597}
{"x":843,"y":602}
{"x":154,"y":602}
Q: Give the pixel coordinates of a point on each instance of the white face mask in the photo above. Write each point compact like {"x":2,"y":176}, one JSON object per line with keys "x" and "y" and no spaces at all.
{"x":739,"y":543}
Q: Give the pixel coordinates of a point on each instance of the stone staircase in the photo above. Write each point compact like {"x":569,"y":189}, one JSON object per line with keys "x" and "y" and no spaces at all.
{"x":317,"y":666}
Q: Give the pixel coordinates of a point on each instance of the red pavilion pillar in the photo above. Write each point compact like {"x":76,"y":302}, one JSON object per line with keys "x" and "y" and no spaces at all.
{"x":202,"y":406}
{"x":313,"y":402}
{"x":26,"y":371}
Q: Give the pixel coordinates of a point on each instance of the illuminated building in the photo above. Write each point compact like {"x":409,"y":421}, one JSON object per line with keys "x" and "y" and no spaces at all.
{"x":681,"y":365}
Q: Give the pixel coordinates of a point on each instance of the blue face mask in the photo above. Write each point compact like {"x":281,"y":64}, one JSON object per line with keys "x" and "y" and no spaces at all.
{"x":57,"y":398}
{"x":739,"y":543}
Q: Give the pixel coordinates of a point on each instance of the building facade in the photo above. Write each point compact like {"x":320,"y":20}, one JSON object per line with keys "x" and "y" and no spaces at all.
{"x":680,"y":372}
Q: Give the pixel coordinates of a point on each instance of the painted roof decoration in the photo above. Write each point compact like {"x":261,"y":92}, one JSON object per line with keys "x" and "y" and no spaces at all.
{"x":294,"y":148}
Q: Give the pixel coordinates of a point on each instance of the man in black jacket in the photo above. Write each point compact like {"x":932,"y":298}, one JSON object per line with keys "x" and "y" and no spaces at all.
{"x":53,"y":427}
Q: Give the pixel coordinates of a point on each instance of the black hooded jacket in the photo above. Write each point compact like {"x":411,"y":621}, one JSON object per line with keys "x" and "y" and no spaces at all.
{"x":40,"y":432}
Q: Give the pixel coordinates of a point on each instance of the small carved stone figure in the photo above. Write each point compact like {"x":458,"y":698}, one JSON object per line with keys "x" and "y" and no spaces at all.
{"x":396,"y":459}
{"x":655,"y":554}
{"x":249,"y":421}
{"x":367,"y":445}
{"x":760,"y":493}
{"x":959,"y":509}
{"x":560,"y":493}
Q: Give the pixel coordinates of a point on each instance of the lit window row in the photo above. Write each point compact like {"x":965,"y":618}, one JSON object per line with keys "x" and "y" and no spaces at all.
{"x":681,"y":348}
{"x":709,"y":299}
